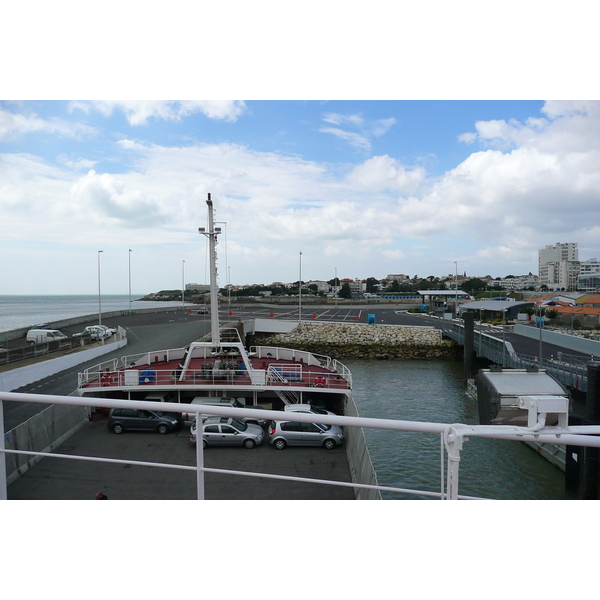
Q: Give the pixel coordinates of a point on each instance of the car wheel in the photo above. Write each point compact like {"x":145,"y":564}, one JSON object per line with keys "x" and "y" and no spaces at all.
{"x":162,"y":429}
{"x":118,"y":428}
{"x":249,"y":443}
{"x":280,"y":444}
{"x":204,"y":443}
{"x":329,"y":444}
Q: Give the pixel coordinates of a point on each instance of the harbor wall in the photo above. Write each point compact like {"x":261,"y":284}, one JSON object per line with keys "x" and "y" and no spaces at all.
{"x":361,"y":341}
{"x":15,"y":378}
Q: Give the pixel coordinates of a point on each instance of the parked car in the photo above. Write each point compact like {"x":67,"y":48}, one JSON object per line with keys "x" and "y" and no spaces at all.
{"x":222,"y":401}
{"x":125,"y":419}
{"x":293,"y":433}
{"x":109,"y":330}
{"x":226,"y":431}
{"x":96,"y":332}
{"x":39,"y":336}
{"x":307,"y":408}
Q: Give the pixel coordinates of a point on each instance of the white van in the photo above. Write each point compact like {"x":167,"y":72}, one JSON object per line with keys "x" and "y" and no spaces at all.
{"x":41,"y":336}
{"x":189,"y":418}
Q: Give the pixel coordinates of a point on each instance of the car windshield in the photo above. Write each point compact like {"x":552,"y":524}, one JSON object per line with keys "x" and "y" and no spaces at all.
{"x":324,"y":427}
{"x":239,"y":425}
{"x":318,"y":411}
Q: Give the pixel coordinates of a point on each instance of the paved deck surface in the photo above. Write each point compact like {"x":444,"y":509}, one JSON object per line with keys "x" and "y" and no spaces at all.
{"x":66,"y":479}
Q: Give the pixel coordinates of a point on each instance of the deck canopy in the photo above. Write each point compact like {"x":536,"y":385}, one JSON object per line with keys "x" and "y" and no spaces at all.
{"x":492,"y":309}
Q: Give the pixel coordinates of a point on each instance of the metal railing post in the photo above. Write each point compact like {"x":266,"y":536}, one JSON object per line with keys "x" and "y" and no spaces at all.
{"x":199,"y":458}
{"x":453,"y":441}
{"x":3,"y":488}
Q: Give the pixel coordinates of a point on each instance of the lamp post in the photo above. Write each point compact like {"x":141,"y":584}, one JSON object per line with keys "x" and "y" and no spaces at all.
{"x":129,"y":280}
{"x":541,"y":323}
{"x":456,"y":287}
{"x":300,"y":293}
{"x":480,"y":330}
{"x":335,"y":285}
{"x":183,"y":285}
{"x":503,"y":336}
{"x":99,"y":295}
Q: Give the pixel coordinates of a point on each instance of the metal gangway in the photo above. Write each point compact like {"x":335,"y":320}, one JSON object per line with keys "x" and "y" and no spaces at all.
{"x":569,"y":369}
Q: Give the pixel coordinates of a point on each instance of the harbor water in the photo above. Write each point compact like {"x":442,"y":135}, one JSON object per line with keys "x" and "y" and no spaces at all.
{"x":436,"y":391}
{"x":24,"y":311}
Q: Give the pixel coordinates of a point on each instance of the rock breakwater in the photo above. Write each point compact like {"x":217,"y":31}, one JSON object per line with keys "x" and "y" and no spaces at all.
{"x":359,"y":341}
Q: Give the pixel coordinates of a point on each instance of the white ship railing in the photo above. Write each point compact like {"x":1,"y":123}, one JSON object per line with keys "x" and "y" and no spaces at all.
{"x":452,"y":439}
{"x":107,"y":376}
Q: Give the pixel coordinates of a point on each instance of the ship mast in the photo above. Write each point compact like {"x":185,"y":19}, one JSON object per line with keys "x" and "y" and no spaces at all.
{"x":211,"y":234}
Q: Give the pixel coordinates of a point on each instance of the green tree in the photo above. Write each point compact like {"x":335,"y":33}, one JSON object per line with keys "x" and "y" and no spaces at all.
{"x":371,"y":283}
{"x":473,"y":285}
{"x":345,"y":291}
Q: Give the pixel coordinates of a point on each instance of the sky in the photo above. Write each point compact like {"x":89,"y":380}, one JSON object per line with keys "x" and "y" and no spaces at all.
{"x":420,"y":183}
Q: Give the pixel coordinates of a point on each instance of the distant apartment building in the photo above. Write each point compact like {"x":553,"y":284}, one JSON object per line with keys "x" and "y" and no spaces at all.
{"x":197,"y":287}
{"x":558,"y":266}
{"x":322,"y":286}
{"x":399,"y":278}
{"x":589,"y":275}
{"x":518,"y":283}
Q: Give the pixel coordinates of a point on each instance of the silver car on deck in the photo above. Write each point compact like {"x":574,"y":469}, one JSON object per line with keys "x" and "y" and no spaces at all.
{"x":226,"y":431}
{"x":293,"y":433}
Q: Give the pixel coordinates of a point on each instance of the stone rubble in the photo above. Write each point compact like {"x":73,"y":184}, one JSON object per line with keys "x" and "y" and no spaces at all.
{"x":360,"y":341}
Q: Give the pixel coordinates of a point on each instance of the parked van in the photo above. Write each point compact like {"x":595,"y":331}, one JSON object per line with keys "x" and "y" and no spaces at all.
{"x":42,"y":336}
{"x":189,"y":418}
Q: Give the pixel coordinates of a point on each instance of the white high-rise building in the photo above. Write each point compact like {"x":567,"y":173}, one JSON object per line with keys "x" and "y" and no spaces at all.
{"x":558,"y":266}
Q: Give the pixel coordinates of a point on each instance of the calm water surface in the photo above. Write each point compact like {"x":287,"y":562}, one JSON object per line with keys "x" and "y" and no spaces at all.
{"x":24,"y":311}
{"x":435,"y":391}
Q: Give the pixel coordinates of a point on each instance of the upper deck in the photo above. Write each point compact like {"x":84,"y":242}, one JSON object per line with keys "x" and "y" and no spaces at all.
{"x":228,"y":366}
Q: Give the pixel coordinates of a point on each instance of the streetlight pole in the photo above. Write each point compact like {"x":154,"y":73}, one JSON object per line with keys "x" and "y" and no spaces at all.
{"x":503,"y":336}
{"x":541,"y":323}
{"x":300,"y":293}
{"x":129,"y":280}
{"x":183,"y":285}
{"x":99,"y":295}
{"x":335,"y":285}
{"x":456,"y":288}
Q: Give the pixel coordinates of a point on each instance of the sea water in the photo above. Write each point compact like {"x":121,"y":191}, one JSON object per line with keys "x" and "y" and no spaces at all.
{"x":24,"y":311}
{"x":435,"y":391}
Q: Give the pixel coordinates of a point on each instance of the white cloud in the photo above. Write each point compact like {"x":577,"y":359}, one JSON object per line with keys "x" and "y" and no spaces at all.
{"x":366,"y":129}
{"x":383,"y":172}
{"x":394,"y":254}
{"x":78,"y":164}
{"x":15,"y":125}
{"x":492,"y":211}
{"x":104,"y":198}
{"x":354,"y":139}
{"x":138,"y":112}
